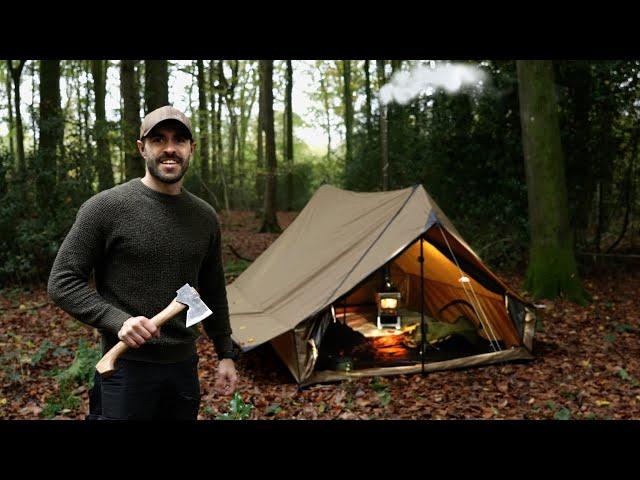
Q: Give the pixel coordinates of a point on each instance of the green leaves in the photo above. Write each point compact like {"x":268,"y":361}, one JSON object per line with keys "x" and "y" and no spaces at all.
{"x":563,"y":414}
{"x":238,"y":409}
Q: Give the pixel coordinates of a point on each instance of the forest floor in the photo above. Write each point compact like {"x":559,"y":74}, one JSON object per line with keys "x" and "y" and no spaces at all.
{"x":586,"y":366}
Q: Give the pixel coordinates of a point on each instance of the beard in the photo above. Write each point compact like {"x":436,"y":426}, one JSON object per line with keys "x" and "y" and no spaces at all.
{"x":153,"y":165}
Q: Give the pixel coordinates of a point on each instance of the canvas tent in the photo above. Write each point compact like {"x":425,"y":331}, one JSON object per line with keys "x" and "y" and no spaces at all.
{"x":325,"y":268}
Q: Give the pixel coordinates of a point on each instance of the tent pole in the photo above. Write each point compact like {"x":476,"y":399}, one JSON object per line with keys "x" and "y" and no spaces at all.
{"x":422,"y":325}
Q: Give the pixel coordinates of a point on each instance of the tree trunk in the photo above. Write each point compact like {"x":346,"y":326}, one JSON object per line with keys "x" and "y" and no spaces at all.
{"x":384,"y":143}
{"x":51,"y":128}
{"x":130,"y":92}
{"x":552,"y":267}
{"x":270,"y":221}
{"x":325,"y":101}
{"x":367,"y":103}
{"x":32,"y":107}
{"x":260,"y":153}
{"x":246,"y":108}
{"x":103,"y":157}
{"x":348,"y":110}
{"x":213,"y":75}
{"x":15,"y":76}
{"x":12,"y":149}
{"x":230,"y":100}
{"x":203,"y":124}
{"x":289,"y":135}
{"x":221,"y":170}
{"x":156,"y":84}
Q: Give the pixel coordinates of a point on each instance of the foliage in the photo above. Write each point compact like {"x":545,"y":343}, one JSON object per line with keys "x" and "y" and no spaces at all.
{"x":238,"y":410}
{"x":79,"y":373}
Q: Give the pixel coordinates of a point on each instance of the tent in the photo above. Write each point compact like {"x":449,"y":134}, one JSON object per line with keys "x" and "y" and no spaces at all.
{"x":319,"y":279}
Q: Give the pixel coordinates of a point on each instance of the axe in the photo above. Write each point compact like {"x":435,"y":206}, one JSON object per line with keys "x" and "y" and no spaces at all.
{"x":187,"y":297}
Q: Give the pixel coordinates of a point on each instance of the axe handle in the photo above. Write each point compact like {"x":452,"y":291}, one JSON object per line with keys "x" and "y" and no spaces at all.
{"x":107,"y":364}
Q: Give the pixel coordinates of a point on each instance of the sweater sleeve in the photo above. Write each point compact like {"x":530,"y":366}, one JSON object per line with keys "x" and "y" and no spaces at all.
{"x":213,"y":291}
{"x":82,"y":249}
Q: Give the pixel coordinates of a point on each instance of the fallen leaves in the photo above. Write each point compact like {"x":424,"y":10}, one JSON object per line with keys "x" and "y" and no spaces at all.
{"x":576,"y":373}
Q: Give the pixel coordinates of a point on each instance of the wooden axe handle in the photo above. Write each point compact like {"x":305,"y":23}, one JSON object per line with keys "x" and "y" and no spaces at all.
{"x":107,"y":364}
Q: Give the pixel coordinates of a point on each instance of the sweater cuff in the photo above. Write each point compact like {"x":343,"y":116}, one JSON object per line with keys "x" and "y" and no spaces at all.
{"x":224,"y":346}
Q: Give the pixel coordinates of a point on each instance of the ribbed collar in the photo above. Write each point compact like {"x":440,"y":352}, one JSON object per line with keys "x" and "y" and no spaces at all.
{"x":140,"y":187}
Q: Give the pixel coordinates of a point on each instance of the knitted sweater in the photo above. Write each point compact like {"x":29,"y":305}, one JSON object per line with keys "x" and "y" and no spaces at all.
{"x":143,"y":246}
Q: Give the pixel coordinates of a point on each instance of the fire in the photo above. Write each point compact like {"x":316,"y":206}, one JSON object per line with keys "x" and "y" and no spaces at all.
{"x":390,"y":347}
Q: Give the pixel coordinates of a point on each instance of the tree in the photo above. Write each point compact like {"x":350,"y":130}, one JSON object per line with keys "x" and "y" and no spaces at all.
{"x":552,"y":267}
{"x":15,"y":73}
{"x":289,"y":135}
{"x":259,"y":185}
{"x":156,"y":84}
{"x":103,"y":157}
{"x":229,"y":89}
{"x":130,"y":92}
{"x":249,"y":86}
{"x":367,"y":103}
{"x":348,"y":110}
{"x":203,"y":126}
{"x":384,"y":143}
{"x":269,"y":221}
{"x":10,"y":111}
{"x":51,"y":129}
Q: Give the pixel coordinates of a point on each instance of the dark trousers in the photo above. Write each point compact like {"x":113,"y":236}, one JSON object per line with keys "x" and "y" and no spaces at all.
{"x":147,"y":391}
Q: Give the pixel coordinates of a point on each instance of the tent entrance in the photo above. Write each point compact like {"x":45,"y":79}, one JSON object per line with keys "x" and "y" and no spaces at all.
{"x":457,"y":324}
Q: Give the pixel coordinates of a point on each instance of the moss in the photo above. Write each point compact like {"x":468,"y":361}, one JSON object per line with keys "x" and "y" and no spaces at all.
{"x":553,"y":273}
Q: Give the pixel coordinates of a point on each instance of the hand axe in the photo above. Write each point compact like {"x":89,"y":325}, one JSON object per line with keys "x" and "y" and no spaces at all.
{"x":186,"y":297}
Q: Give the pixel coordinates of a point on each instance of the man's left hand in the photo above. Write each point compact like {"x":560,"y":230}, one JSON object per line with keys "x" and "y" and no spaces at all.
{"x":226,"y":377}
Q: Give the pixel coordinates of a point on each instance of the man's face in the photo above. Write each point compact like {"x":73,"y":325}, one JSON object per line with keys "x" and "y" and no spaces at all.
{"x":167,"y":150}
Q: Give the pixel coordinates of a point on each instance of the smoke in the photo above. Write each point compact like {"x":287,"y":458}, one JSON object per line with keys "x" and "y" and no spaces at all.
{"x":405,"y":86}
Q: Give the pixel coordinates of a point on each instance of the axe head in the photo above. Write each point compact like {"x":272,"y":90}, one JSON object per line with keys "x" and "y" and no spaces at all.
{"x":197,"y":310}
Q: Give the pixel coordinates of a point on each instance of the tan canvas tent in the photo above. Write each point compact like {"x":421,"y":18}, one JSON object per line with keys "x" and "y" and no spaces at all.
{"x":325,"y":269}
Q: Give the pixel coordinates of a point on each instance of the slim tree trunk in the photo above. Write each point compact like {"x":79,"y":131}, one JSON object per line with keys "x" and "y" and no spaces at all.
{"x":230,"y":100}
{"x":156,"y":84}
{"x":348,"y":110}
{"x":213,"y":78}
{"x":130,"y":92}
{"x":327,"y":111}
{"x":16,"y":72}
{"x":367,"y":91}
{"x":50,"y":126}
{"x":249,"y":87}
{"x":221,"y":171}
{"x":203,"y":116}
{"x":552,"y":267}
{"x":103,"y":157}
{"x":32,"y":107}
{"x":289,"y":135}
{"x":12,"y":149}
{"x":260,"y":154}
{"x":269,"y":221}
{"x":384,"y":143}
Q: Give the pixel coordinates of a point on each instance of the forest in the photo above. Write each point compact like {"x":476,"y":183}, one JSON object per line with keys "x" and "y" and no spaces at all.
{"x":535,"y":164}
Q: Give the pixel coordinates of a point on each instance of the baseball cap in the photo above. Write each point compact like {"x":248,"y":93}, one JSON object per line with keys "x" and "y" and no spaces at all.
{"x":160,"y":115}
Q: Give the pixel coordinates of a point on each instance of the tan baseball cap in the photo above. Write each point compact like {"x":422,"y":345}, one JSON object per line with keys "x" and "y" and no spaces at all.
{"x":160,"y":115}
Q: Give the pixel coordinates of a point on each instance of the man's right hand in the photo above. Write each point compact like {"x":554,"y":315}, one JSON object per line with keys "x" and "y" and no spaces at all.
{"x":137,"y":330}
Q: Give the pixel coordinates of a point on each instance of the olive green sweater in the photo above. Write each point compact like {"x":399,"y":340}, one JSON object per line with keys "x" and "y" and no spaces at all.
{"x":143,"y":246}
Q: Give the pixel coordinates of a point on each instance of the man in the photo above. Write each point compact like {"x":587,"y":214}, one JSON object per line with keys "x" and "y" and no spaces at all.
{"x":145,"y":239}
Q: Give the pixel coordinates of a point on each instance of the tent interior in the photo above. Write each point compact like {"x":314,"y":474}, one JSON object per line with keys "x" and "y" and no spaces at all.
{"x":467,"y":311}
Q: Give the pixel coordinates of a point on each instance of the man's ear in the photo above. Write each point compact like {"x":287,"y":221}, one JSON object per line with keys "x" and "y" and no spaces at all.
{"x":193,"y":146}
{"x":140,"y":145}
